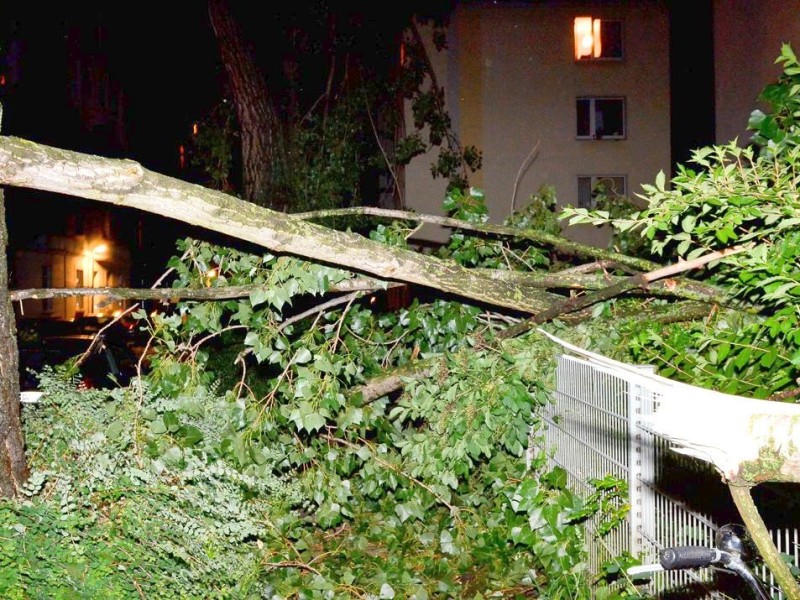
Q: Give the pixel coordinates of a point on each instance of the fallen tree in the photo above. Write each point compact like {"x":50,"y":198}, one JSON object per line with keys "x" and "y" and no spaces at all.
{"x":356,"y":265}
{"x":545,"y":297}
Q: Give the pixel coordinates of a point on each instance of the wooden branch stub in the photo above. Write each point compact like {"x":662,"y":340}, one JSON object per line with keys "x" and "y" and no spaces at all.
{"x":748,"y":441}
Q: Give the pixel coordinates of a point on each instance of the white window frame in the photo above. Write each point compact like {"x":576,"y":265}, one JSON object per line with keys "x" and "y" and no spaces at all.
{"x":594,"y":180}
{"x":593,"y":118}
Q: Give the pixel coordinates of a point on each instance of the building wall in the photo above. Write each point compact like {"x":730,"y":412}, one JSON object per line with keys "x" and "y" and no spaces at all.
{"x":511,"y":82}
{"x":747,"y":39}
{"x":65,"y":257}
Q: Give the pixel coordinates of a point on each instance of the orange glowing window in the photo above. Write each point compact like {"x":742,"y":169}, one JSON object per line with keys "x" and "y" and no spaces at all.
{"x":2,"y":79}
{"x":195,"y":128}
{"x":597,"y":39}
{"x":182,"y":157}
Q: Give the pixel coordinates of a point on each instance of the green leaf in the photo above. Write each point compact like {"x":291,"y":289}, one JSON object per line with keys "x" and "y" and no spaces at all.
{"x":170,"y":420}
{"x":660,"y":181}
{"x":303,"y":356}
{"x":115,"y":429}
{"x":158,"y":426}
{"x":313,"y":422}
{"x":190,"y":435}
{"x":446,"y":542}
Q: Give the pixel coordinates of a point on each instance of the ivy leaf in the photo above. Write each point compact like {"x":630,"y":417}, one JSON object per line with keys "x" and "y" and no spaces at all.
{"x":190,"y":435}
{"x":114,"y":430}
{"x":170,"y":420}
{"x":446,"y":542}
{"x":158,"y":427}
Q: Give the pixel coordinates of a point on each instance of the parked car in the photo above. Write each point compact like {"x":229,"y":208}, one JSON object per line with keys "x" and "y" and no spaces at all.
{"x":108,"y":365}
{"x":32,"y":331}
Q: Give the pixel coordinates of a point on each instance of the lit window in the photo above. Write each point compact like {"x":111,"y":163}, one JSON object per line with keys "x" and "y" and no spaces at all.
{"x":592,"y":187}
{"x":600,"y":118}
{"x":597,"y":39}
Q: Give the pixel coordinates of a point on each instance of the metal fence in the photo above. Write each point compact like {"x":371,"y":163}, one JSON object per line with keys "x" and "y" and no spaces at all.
{"x":597,"y":426}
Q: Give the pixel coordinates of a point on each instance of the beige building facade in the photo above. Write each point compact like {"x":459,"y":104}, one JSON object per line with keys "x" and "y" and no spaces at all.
{"x":513,"y":82}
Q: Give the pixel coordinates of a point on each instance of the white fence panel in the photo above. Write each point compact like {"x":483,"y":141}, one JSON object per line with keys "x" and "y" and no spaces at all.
{"x":596,"y":426}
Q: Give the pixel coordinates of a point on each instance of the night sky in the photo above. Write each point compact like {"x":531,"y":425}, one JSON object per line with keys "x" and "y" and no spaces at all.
{"x":166,"y":62}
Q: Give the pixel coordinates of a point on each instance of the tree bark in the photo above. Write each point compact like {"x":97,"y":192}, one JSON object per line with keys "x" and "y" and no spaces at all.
{"x":258,"y":122}
{"x":13,"y":468}
{"x":127,"y":183}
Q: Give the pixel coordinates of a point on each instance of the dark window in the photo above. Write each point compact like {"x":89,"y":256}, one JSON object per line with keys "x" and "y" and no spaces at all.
{"x":600,"y":118}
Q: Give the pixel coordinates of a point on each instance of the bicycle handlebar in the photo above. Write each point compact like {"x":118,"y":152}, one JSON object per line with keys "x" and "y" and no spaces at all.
{"x":691,"y":557}
{"x":695,"y":557}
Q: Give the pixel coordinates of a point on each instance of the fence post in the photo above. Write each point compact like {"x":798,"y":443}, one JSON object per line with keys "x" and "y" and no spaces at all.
{"x":636,"y":457}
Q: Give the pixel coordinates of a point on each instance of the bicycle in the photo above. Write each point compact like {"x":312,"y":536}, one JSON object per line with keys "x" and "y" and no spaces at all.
{"x":732,"y":550}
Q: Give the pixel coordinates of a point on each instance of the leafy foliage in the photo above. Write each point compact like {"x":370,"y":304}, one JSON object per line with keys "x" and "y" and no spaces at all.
{"x":262,"y":457}
{"x":736,"y":197}
{"x":779,"y":128}
{"x":167,"y":489}
{"x":473,"y":250}
{"x":416,"y":82}
{"x":332,"y":154}
{"x":254,"y":461}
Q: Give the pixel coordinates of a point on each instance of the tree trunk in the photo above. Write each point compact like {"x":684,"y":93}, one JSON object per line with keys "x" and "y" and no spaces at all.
{"x":127,"y":183}
{"x":257,"y":119}
{"x":13,"y":468}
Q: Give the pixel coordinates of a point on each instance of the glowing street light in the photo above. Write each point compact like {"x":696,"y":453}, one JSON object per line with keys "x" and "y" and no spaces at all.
{"x":96,"y":253}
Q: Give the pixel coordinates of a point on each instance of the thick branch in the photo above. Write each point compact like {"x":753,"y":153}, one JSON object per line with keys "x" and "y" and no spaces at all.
{"x":127,"y":183}
{"x":571,"y":280}
{"x":766,"y":547}
{"x":13,"y":468}
{"x":556,"y":242}
{"x":209,"y":293}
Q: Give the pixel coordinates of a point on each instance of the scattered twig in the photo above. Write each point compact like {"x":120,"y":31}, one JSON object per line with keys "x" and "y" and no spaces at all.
{"x":522,"y":169}
{"x":383,"y":152}
{"x":635,"y":281}
{"x":293,"y":564}
{"x":319,"y":308}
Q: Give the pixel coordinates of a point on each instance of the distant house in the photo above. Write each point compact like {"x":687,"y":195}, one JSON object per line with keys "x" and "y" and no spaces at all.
{"x":85,"y":255}
{"x":68,"y":243}
{"x":592,"y":85}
